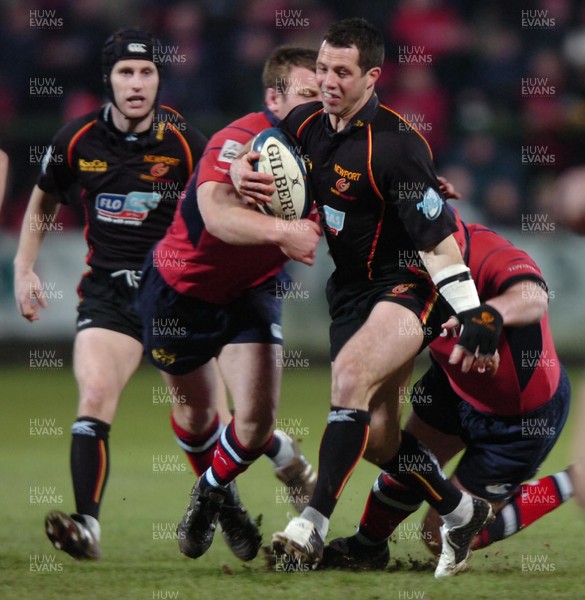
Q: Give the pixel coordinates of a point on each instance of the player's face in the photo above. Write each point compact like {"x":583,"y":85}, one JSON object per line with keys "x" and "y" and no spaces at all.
{"x":344,"y":88}
{"x":298,"y":88}
{"x":135,"y":86}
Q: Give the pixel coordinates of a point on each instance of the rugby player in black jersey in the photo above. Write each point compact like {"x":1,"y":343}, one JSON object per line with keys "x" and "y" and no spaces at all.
{"x":379,"y":199}
{"x":113,"y":160}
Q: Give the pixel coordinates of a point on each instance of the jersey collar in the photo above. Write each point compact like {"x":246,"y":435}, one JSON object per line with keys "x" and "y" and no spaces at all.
{"x":363,"y":117}
{"x":272,"y":118}
{"x":141,"y":139}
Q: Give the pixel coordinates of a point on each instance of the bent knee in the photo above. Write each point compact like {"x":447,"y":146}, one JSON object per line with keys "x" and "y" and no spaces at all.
{"x":349,"y":386}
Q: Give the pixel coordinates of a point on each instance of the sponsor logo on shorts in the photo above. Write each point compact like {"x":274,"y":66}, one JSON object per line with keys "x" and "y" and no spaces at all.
{"x":83,"y":322}
{"x":431,"y":205}
{"x":401,"y":288}
{"x":163,"y":357}
{"x":499,"y":488}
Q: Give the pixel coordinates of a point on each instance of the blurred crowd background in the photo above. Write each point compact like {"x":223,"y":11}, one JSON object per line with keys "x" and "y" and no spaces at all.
{"x":488,"y":83}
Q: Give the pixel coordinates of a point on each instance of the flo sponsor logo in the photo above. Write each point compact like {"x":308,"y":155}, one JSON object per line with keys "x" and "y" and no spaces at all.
{"x":168,"y":328}
{"x":535,"y":359}
{"x":44,"y":19}
{"x":166,"y":531}
{"x":167,"y":395}
{"x":44,"y":223}
{"x":42,"y":427}
{"x":168,"y":55}
{"x":537,"y":155}
{"x":413,"y":532}
{"x":537,"y":428}
{"x":44,"y":155}
{"x":537,"y":87}
{"x":291,"y":290}
{"x":283,"y":563}
{"x":413,"y":395}
{"x":414,"y":55}
{"x":292,"y":427}
{"x":537,"y":223}
{"x":168,"y":259}
{"x":290,"y":19}
{"x":44,"y":495}
{"x":168,"y":463}
{"x":290,"y":359}
{"x":44,"y":359}
{"x":291,"y":495}
{"x":537,"y":19}
{"x":414,"y":122}
{"x":537,"y":563}
{"x":44,"y":563}
{"x":44,"y":87}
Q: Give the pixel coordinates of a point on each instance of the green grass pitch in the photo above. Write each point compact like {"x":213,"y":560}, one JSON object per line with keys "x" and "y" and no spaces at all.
{"x":148,"y":492}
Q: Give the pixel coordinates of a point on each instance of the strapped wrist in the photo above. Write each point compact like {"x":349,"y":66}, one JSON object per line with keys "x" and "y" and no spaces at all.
{"x":457,"y":287}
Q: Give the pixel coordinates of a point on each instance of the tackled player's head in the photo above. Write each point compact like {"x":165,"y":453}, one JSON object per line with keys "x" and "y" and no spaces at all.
{"x":289,"y":79}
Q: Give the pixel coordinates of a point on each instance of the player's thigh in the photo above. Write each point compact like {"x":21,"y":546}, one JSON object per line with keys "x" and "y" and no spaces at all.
{"x":198,"y":397}
{"x":253,"y":376}
{"x":103,"y":362}
{"x":388,"y":341}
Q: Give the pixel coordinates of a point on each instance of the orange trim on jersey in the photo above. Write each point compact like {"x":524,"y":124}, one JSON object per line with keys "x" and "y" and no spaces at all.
{"x":432,"y":491}
{"x":102,"y":469}
{"x":307,"y":120}
{"x":422,"y":137}
{"x":377,"y":192}
{"x":172,"y":110}
{"x":185,"y":145}
{"x":362,"y":450}
{"x":74,"y":141}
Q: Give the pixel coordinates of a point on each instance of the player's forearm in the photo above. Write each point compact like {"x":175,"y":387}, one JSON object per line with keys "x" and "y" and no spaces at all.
{"x":41,"y":210}
{"x":227,"y":218}
{"x":524,"y":303}
{"x":445,"y":254}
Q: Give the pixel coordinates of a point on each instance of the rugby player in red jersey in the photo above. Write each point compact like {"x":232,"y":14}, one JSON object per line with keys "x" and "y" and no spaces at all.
{"x":220,"y":295}
{"x":506,"y":423}
{"x":112,"y":161}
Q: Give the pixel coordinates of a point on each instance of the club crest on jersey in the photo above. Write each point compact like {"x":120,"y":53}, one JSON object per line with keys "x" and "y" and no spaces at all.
{"x":431,"y":205}
{"x":334,"y":219}
{"x":129,"y":209}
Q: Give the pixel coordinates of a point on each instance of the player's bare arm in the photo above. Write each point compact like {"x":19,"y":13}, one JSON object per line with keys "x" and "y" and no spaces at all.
{"x":42,"y":207}
{"x":3,"y":176}
{"x":231,"y":221}
{"x":481,"y":323}
{"x":252,"y":185}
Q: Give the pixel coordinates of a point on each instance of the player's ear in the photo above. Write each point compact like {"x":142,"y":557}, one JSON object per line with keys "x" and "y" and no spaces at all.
{"x":373,"y":74}
{"x":270,"y":95}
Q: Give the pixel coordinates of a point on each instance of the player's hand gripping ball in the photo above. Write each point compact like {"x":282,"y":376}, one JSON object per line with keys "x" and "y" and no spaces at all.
{"x":279,"y":157}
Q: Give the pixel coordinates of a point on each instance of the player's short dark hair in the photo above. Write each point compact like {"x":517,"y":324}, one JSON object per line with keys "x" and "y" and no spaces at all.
{"x":279,"y":64}
{"x":363,"y":35}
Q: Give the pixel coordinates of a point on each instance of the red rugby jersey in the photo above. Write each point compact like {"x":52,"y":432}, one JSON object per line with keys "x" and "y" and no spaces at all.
{"x":530,"y":368}
{"x":196,"y":263}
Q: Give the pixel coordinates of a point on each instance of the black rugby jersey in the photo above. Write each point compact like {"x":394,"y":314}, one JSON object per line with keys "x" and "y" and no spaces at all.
{"x":375,"y":186}
{"x":129,"y":184}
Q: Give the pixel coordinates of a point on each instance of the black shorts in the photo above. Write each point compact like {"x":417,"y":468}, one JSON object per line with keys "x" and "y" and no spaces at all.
{"x":501,"y":452}
{"x":106,"y":299}
{"x":351,"y":304}
{"x":181,"y":333}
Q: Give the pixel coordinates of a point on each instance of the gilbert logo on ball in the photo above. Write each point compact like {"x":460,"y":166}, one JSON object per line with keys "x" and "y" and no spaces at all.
{"x":279,"y":158}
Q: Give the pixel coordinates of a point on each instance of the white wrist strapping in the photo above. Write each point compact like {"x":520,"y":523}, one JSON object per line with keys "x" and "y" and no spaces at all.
{"x":457,"y":287}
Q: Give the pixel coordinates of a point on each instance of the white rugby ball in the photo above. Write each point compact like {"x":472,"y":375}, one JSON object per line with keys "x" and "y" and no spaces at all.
{"x":279,"y":157}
